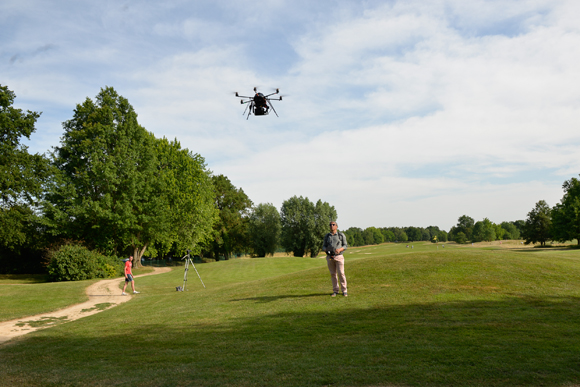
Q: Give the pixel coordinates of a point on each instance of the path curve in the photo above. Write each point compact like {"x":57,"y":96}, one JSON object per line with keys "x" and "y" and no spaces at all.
{"x":102,"y":295}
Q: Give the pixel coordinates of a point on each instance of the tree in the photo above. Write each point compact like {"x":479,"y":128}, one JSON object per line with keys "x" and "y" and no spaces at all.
{"x":483,"y":231}
{"x":368,"y":236}
{"x":188,"y":187}
{"x":388,"y":235}
{"x":510,"y":230}
{"x":566,"y":214}
{"x":413,"y":233}
{"x":460,"y":237}
{"x":354,"y":236}
{"x":465,"y":224}
{"x":119,"y":189}
{"x":21,"y":183}
{"x":400,"y":235}
{"x":265,"y":228}
{"x":304,"y":225}
{"x":499,"y":231}
{"x":538,"y":224}
{"x":519,"y":224}
{"x":230,"y":230}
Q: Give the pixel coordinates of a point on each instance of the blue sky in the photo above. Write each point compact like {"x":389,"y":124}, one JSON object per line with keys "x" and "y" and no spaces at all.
{"x":398,"y":113}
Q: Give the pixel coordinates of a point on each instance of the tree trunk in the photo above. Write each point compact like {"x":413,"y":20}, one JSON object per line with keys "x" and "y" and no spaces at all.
{"x":137,"y":254}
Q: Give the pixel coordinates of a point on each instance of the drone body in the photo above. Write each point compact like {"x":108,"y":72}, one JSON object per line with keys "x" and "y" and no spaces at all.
{"x":259,"y":104}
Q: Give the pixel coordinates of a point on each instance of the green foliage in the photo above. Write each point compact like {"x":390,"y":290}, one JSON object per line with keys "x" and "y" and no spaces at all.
{"x":230,"y":229}
{"x":388,"y":235}
{"x":465,"y":225}
{"x":304,"y":225}
{"x":413,"y":233}
{"x":566,"y":214}
{"x":354,"y":236}
{"x":538,"y":227}
{"x":76,"y":263}
{"x":121,"y":190}
{"x":21,"y":174}
{"x":21,"y":179}
{"x":510,"y":230}
{"x":460,"y":238}
{"x":483,"y":231}
{"x":265,"y":228}
{"x":187,"y":185}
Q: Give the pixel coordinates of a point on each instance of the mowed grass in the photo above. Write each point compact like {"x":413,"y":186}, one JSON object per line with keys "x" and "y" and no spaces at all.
{"x":425,"y":316}
{"x":22,"y":296}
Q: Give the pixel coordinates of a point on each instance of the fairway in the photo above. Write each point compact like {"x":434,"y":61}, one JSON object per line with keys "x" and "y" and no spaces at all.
{"x":421,"y":316}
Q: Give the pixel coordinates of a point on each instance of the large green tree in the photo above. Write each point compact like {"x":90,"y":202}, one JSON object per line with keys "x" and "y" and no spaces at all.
{"x":230,"y":229}
{"x":118,"y":189}
{"x":304,"y":225}
{"x":264,"y":227}
{"x":566,"y":214}
{"x":21,"y":183}
{"x":538,"y":226}
{"x":187,"y":185}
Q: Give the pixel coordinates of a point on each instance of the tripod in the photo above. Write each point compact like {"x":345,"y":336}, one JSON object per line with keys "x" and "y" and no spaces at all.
{"x":188,"y":261}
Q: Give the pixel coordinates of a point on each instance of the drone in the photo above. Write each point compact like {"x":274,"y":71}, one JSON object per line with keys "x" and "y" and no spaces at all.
{"x":259,"y":104}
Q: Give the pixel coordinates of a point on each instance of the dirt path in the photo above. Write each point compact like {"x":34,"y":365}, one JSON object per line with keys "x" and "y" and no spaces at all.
{"x":102,"y":295}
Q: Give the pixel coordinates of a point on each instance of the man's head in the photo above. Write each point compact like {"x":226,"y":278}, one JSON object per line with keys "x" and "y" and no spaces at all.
{"x":131,"y":258}
{"x":333,"y":226}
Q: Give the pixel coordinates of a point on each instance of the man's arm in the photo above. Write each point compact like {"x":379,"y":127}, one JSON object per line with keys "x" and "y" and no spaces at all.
{"x":343,"y":246}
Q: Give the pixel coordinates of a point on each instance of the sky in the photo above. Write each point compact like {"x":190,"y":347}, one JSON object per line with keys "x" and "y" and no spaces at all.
{"x":397,"y":113}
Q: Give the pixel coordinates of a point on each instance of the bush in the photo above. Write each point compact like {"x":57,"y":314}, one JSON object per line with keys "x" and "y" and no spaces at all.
{"x":77,"y":263}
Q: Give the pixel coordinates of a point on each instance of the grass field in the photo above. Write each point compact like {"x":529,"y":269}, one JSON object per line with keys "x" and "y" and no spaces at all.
{"x":484,"y":315}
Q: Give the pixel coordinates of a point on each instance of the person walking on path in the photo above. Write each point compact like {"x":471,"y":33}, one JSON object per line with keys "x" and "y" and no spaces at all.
{"x":129,"y":276}
{"x":334,"y":245}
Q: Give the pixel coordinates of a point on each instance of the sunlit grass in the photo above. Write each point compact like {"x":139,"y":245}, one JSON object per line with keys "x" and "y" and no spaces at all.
{"x":428,"y":316}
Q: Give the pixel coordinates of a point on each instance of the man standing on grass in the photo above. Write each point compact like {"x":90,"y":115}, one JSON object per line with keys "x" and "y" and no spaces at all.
{"x":334,"y":245}
{"x":129,"y":276}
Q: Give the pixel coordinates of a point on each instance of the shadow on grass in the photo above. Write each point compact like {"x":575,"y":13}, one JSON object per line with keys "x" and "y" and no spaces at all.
{"x":265,"y":299}
{"x":514,"y":342}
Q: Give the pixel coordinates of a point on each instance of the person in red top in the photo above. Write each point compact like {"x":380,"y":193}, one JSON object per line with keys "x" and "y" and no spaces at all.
{"x":129,"y":276}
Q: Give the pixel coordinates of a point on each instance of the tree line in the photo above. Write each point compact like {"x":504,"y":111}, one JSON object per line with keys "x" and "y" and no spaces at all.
{"x":114,"y":188}
{"x":375,"y":235}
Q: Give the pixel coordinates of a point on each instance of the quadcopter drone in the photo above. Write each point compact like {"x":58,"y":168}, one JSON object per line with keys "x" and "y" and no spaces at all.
{"x":259,"y":104}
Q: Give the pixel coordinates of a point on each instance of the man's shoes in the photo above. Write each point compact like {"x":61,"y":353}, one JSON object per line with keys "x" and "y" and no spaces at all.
{"x":333,"y":294}
{"x":136,"y":292}
{"x":345,"y":294}
{"x":123,"y":294}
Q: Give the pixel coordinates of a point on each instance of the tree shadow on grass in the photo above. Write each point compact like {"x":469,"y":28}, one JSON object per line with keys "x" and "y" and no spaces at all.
{"x":266,"y":299}
{"x":519,"y":341}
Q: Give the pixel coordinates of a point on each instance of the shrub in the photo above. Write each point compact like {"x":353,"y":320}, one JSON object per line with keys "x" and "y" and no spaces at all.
{"x":77,"y":263}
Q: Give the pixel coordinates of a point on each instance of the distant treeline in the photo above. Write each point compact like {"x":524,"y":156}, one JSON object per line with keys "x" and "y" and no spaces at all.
{"x":373,"y":235}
